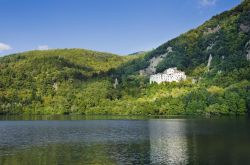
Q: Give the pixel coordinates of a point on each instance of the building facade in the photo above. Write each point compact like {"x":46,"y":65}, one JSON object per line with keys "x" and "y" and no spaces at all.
{"x":169,"y":75}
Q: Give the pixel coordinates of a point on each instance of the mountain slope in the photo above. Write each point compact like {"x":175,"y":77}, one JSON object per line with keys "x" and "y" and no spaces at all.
{"x":219,"y":87}
{"x":226,"y":37}
{"x":86,"y":82}
{"x":36,"y":77}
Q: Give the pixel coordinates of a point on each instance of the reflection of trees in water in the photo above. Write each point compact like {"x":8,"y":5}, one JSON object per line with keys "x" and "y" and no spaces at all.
{"x":156,"y":142}
{"x":222,"y":141}
{"x":81,"y":142}
{"x":106,"y":154}
{"x":102,"y":142}
{"x":132,"y":153}
{"x":168,"y":143}
{"x":143,"y":142}
{"x":59,"y":154}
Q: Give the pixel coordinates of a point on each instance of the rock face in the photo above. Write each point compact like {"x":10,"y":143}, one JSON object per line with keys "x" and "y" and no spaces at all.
{"x":151,"y":69}
{"x":244,"y":28}
{"x":115,"y":83}
{"x":210,"y":46}
{"x":248,"y":54}
{"x":209,"y":61}
{"x":247,"y":46}
{"x":212,"y":30}
{"x":55,"y":86}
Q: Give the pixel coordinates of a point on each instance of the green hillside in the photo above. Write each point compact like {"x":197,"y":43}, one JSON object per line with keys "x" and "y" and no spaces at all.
{"x":82,"y":82}
{"x":32,"y":79}
{"x":225,"y":37}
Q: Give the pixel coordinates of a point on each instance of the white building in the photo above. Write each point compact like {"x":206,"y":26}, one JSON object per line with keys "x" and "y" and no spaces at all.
{"x":169,"y":75}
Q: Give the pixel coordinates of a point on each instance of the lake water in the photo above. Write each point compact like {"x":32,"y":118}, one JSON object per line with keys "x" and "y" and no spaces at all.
{"x":138,"y":141}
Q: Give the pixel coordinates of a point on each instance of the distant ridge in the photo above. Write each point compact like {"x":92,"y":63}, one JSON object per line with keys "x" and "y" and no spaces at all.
{"x":137,"y":53}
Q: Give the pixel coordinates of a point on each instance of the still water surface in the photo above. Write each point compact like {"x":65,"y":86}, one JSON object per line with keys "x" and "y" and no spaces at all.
{"x":143,"y":141}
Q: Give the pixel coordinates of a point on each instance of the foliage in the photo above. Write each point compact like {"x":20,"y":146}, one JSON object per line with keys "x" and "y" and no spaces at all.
{"x":76,"y":81}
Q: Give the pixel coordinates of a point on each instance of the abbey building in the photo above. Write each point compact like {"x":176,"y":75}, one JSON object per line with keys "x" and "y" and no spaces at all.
{"x":169,"y":75}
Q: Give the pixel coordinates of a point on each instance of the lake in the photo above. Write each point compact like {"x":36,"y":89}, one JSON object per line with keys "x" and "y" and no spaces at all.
{"x":124,"y":140}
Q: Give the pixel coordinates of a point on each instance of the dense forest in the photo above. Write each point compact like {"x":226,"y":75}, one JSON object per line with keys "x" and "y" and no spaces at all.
{"x":77,"y":81}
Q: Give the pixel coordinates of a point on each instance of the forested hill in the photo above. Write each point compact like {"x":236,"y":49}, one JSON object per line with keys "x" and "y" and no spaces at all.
{"x":226,"y":37}
{"x":31,"y":77}
{"x":83,"y":62}
{"x":76,"y":81}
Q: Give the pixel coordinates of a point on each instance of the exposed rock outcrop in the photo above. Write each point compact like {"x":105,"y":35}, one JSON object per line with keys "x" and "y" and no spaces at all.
{"x":209,"y":61}
{"x":247,"y":46}
{"x":248,"y":54}
{"x":210,"y":46}
{"x":244,"y":28}
{"x":212,"y":30}
{"x":55,"y":86}
{"x":151,"y":69}
{"x":115,"y":83}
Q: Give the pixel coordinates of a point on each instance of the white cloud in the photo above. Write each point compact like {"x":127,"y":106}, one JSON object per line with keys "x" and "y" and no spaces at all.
{"x":43,"y":47}
{"x":207,"y":2}
{"x":4,"y":46}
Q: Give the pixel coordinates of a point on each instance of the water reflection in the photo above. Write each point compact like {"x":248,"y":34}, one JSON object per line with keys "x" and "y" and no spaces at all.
{"x":168,"y":142}
{"x":74,"y":142}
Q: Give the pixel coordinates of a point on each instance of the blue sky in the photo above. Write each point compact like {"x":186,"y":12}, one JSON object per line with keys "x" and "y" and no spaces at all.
{"x":117,"y":26}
